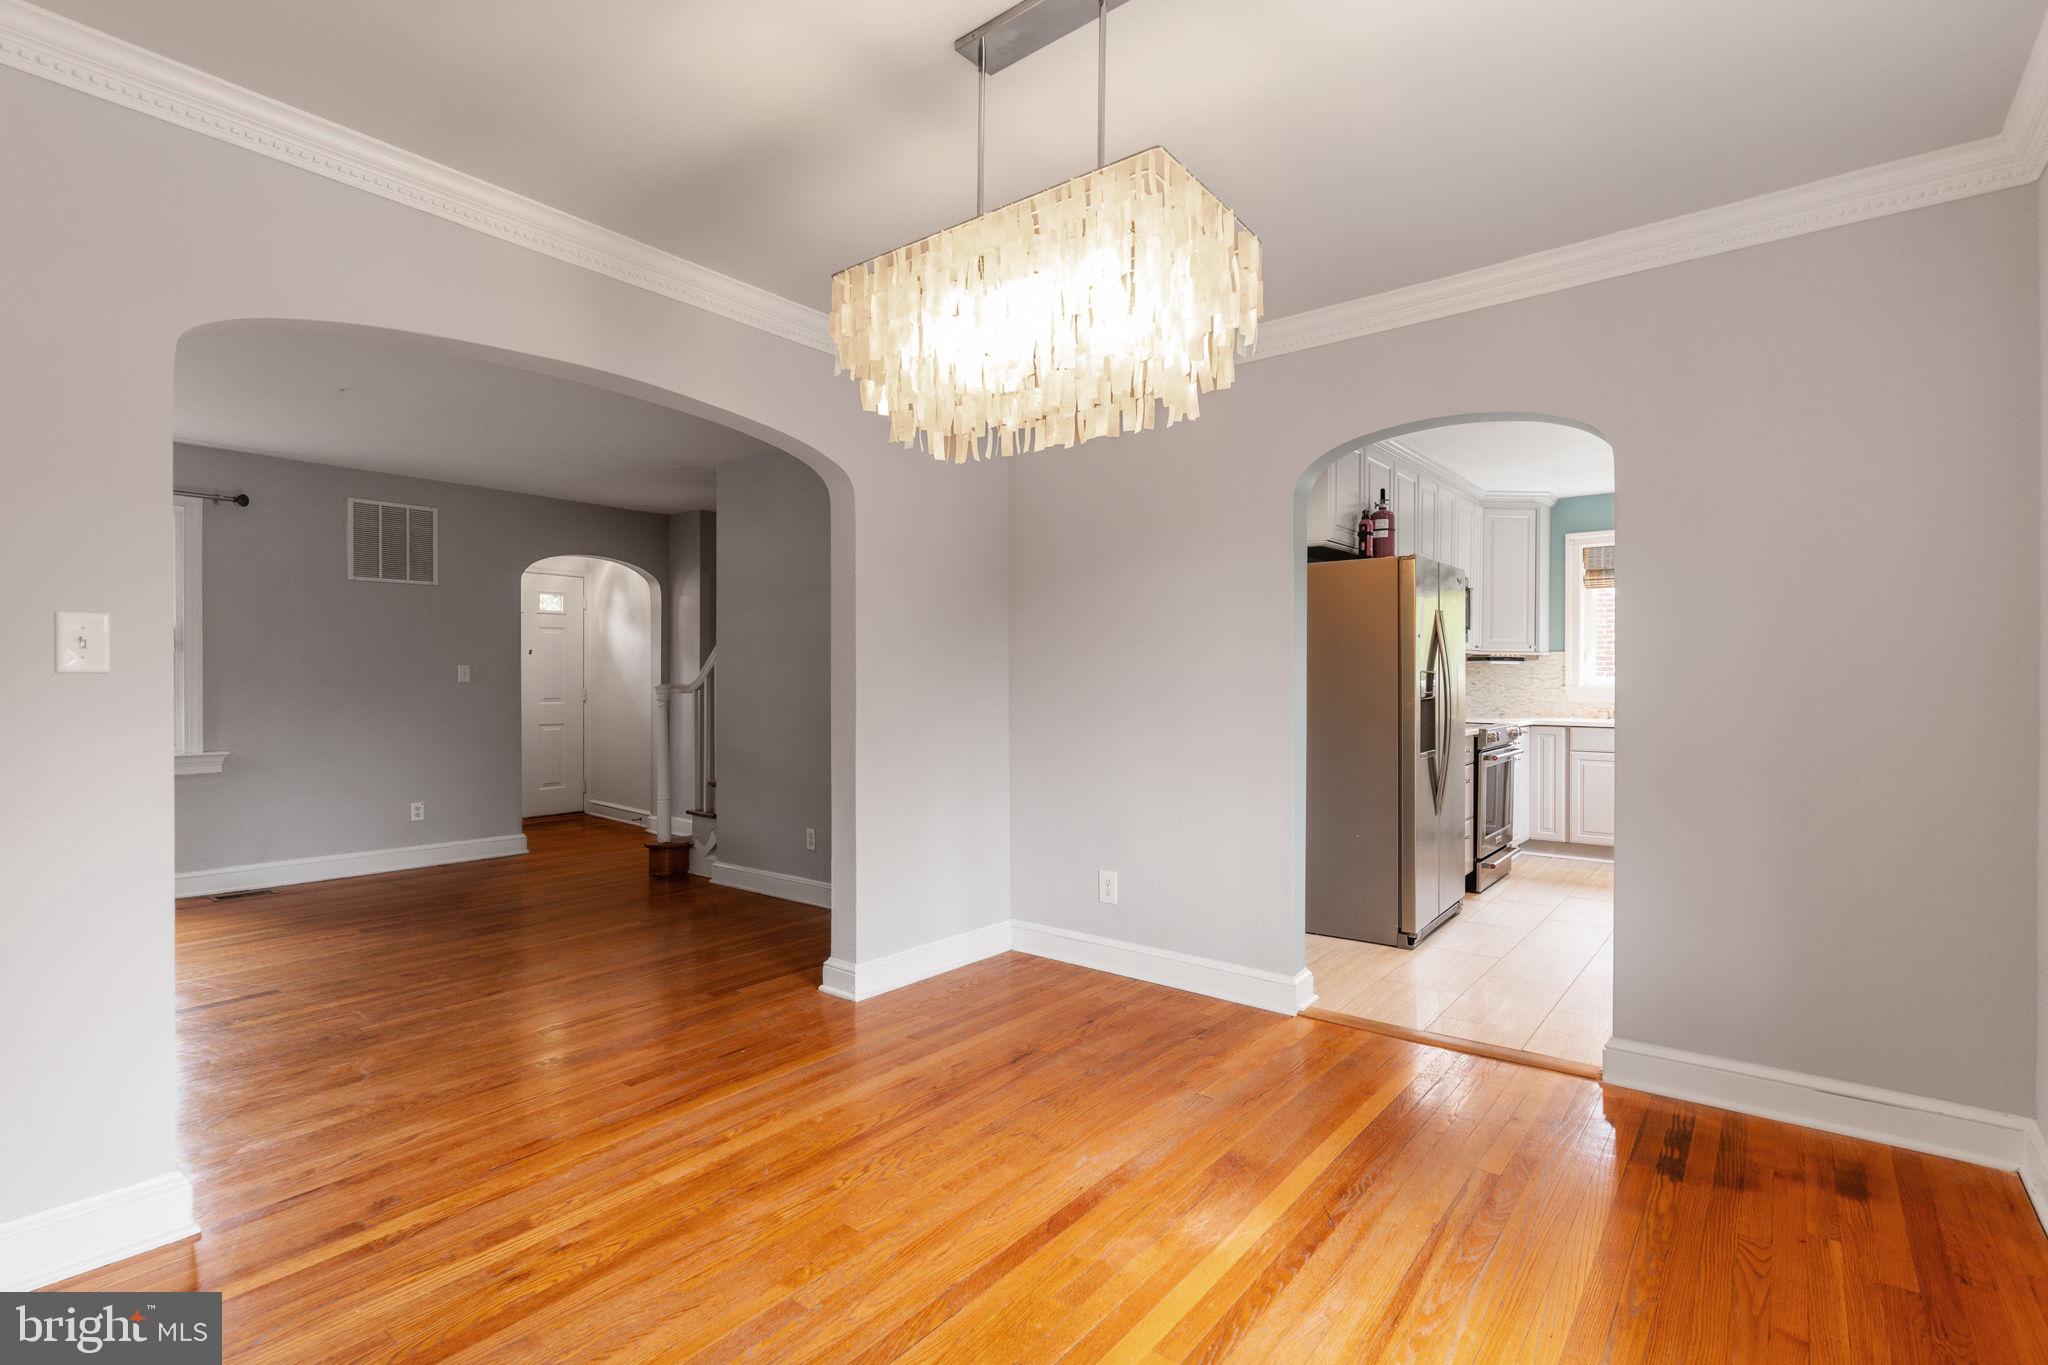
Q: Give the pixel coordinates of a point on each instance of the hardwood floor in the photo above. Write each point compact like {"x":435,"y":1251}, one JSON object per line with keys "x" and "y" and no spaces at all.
{"x":544,"y":1109}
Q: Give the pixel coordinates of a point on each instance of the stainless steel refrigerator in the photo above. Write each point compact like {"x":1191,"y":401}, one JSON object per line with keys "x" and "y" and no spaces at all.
{"x":1387,"y":803}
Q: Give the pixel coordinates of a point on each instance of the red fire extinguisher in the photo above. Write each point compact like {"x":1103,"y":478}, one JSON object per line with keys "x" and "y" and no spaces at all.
{"x":1376,"y":531}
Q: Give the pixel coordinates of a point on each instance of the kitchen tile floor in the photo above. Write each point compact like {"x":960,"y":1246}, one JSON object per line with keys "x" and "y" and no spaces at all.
{"x":1527,"y":965}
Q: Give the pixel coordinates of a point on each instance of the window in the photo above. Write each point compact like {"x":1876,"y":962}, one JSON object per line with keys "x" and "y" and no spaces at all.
{"x":188,"y":705}
{"x":1589,"y":615}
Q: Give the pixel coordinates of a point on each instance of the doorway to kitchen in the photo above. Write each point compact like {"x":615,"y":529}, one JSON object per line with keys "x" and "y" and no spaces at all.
{"x":1460,"y":644}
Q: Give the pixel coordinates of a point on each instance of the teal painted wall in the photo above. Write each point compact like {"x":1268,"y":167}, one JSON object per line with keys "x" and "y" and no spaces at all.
{"x":1594,"y":512}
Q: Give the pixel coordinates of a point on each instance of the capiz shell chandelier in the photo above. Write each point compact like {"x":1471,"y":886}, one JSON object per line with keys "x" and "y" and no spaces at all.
{"x":1081,"y":311}
{"x":1076,"y":313}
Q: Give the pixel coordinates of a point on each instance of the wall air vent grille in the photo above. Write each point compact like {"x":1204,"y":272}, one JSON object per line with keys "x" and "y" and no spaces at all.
{"x":390,"y":542}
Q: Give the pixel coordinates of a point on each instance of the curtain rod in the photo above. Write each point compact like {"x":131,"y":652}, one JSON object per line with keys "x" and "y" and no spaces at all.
{"x":238,"y":499}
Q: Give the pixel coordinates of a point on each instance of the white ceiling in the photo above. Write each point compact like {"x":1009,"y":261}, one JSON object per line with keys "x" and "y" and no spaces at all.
{"x":1370,"y":145}
{"x":1521,"y":456}
{"x":383,"y":401}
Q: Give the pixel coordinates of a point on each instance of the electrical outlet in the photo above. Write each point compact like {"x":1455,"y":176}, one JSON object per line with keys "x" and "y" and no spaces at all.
{"x":811,"y":840}
{"x":462,"y":672}
{"x":1105,"y":887}
{"x":419,"y":810}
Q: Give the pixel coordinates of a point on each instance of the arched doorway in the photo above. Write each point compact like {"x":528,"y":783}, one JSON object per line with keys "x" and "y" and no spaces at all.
{"x":1457,"y":762}
{"x":366,"y":381}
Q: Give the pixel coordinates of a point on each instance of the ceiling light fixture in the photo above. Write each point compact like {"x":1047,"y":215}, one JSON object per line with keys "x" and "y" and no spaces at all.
{"x":1078,"y":312}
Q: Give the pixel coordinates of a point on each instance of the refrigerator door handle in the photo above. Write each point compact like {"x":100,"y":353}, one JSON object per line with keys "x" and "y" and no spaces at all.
{"x":1449,"y":711}
{"x":1439,"y":684}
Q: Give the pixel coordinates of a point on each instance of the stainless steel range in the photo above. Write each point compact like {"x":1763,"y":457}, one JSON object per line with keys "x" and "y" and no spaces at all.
{"x":1498,"y":748}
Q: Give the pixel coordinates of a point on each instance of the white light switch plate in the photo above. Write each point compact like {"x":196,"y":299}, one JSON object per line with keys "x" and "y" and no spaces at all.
{"x":462,"y":672}
{"x":82,"y":641}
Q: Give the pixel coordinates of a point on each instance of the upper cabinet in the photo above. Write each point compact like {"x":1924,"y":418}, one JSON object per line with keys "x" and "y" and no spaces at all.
{"x":1335,"y":502}
{"x":1436,"y":515}
{"x":1514,"y":577}
{"x":1501,"y":543}
{"x":1406,"y":485}
{"x":1379,"y":475}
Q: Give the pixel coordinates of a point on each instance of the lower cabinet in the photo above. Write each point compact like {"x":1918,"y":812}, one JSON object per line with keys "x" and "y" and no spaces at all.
{"x":1471,"y":823}
{"x":1592,"y":798}
{"x":1548,"y":753}
{"x":1524,"y":783}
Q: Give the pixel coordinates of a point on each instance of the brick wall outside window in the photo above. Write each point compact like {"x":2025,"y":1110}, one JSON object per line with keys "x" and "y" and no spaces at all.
{"x":1602,"y":604}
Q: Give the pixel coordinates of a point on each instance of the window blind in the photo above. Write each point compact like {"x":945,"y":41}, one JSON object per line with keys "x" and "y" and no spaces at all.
{"x":1599,"y":566}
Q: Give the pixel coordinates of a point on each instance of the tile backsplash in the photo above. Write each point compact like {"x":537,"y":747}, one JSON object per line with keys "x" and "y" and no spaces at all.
{"x":1505,"y":689}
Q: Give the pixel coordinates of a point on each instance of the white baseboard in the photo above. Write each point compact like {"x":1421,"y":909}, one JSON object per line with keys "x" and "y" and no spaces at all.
{"x":1163,"y":967}
{"x":43,"y":1248}
{"x":782,"y":884}
{"x":679,"y":826}
{"x":1159,"y":966}
{"x":865,"y":980}
{"x":625,"y":815}
{"x":2034,"y":1172}
{"x":292,"y":871}
{"x":1915,"y":1122}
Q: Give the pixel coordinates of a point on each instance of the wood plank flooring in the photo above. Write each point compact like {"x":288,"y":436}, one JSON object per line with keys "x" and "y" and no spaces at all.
{"x":543,"y":1109}
{"x":1525,"y":968}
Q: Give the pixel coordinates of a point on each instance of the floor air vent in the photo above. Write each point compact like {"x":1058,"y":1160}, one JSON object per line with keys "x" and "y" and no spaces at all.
{"x":244,"y":895}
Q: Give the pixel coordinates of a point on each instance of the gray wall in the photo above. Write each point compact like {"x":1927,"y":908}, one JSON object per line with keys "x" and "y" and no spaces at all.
{"x":1826,"y":853}
{"x":2041,"y":825}
{"x":337,"y":700}
{"x":692,"y":633}
{"x":774,"y":667}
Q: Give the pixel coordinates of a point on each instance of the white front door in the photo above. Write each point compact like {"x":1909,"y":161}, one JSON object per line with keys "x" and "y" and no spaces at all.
{"x":550,"y":693}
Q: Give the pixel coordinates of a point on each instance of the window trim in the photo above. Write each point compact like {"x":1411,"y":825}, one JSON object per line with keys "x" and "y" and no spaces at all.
{"x":188,"y":640}
{"x":1576,"y":543}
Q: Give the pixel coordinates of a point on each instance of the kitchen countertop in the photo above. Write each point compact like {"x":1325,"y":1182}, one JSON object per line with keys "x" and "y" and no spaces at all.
{"x":1581,"y":722}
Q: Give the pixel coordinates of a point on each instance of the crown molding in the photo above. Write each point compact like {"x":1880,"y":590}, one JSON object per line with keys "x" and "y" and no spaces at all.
{"x":1436,"y":469}
{"x":67,"y":52}
{"x":1916,"y":182}
{"x":58,"y":49}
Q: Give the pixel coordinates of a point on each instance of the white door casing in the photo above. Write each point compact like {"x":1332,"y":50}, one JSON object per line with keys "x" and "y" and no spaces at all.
{"x":550,"y":694}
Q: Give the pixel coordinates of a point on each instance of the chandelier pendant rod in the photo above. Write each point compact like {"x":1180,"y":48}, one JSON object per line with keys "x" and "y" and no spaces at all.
{"x":1101,"y":83}
{"x":981,"y":127}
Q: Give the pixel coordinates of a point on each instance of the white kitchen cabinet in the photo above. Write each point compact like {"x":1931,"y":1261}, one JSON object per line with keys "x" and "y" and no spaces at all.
{"x":1406,"y":529}
{"x":1426,"y":543}
{"x":1378,"y":468}
{"x":1435,"y":516}
{"x":1471,"y":822}
{"x":1470,"y":517}
{"x":1522,"y":789}
{"x":1514,"y":577}
{"x":1591,"y":819}
{"x":1447,"y":527}
{"x":1548,"y":760}
{"x":1334,"y":503}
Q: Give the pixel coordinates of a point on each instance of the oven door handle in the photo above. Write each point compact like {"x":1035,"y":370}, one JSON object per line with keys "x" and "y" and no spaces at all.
{"x":1507,"y":806}
{"x":1499,"y":756}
